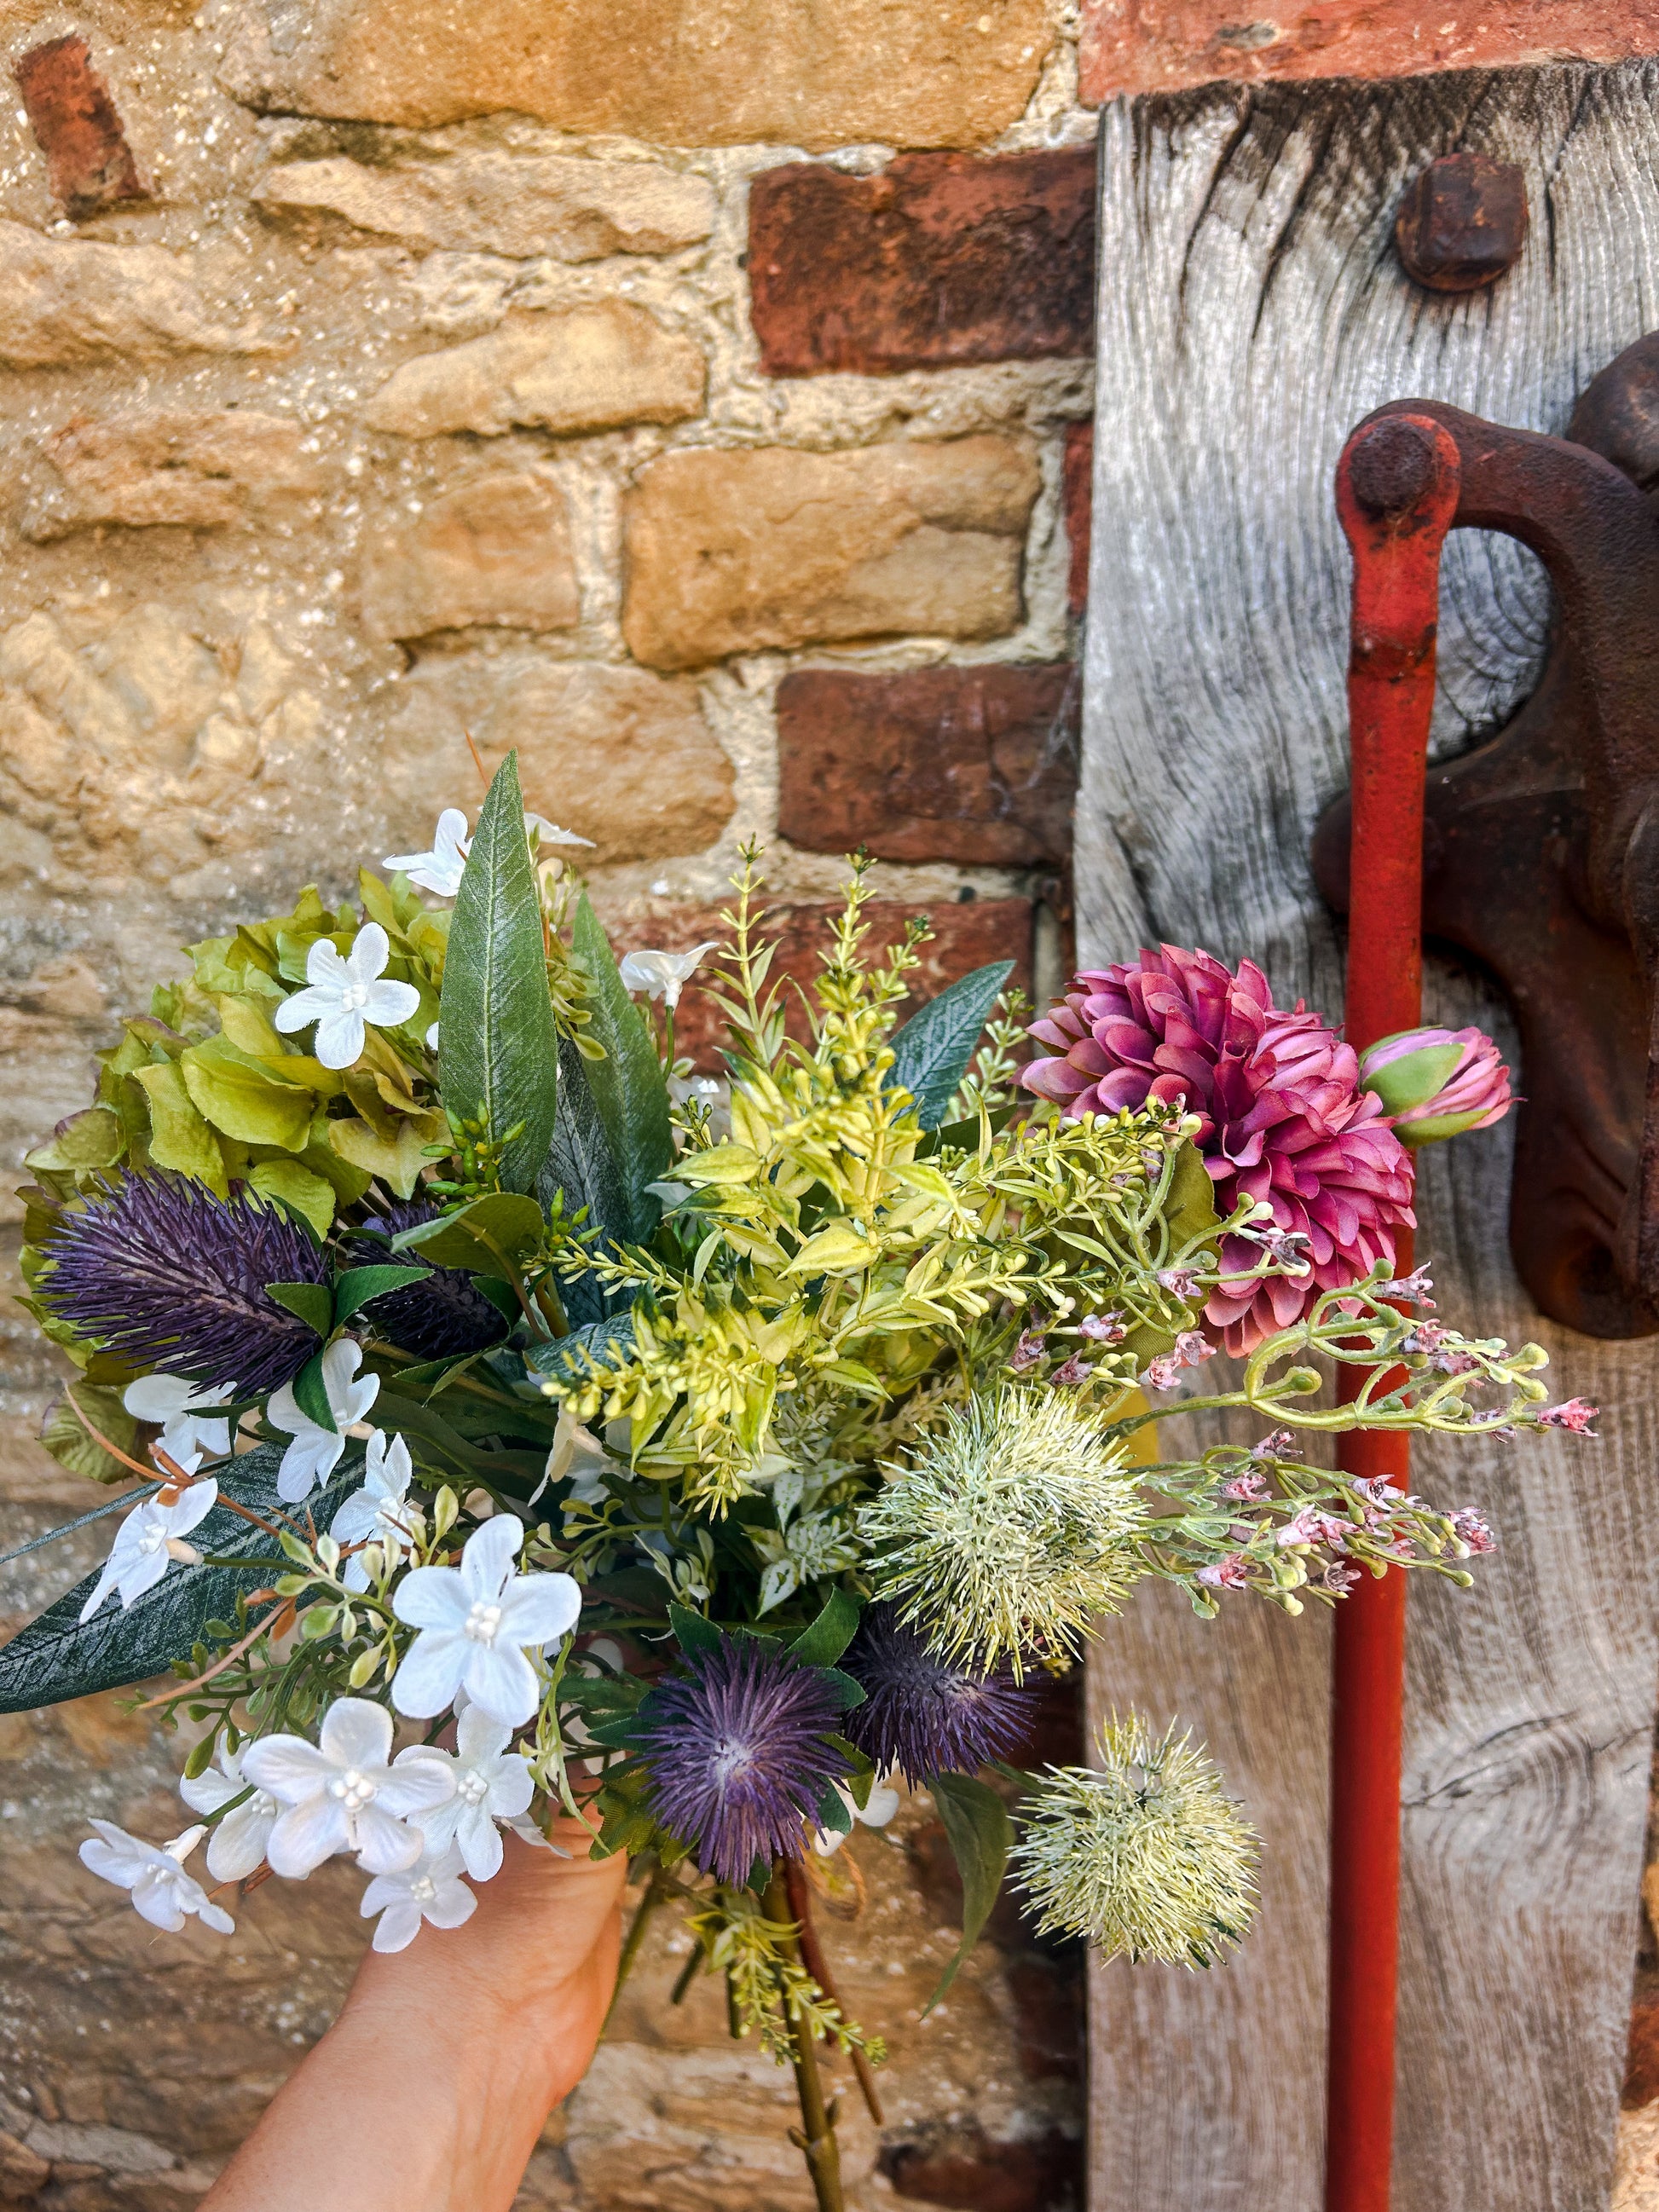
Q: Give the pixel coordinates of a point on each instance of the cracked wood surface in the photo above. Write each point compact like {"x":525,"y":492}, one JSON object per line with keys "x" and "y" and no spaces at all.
{"x":1251,"y":312}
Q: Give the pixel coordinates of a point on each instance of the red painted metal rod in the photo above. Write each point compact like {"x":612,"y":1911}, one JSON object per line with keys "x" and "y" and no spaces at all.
{"x":1396,"y":489}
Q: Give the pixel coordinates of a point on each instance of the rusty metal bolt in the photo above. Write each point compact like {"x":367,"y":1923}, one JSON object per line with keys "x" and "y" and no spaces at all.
{"x":1463,"y":222}
{"x":1392,"y":467}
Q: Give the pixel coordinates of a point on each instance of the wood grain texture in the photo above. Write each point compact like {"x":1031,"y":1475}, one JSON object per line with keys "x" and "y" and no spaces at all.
{"x":1252,"y":311}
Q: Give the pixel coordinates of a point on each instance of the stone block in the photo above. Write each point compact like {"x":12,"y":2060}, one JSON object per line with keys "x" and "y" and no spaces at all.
{"x":614,"y":754}
{"x":1077,"y":496}
{"x":808,"y":73}
{"x":1162,"y":46}
{"x":89,"y":165}
{"x":491,"y":201}
{"x":496,"y":552}
{"x":588,"y":368}
{"x":147,"y":465}
{"x":940,"y":259}
{"x":975,"y":765}
{"x":967,"y":934}
{"x":65,"y":302}
{"x":737,"y":551}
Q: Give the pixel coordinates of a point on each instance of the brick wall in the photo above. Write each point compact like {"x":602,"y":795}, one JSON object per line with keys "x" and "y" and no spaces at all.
{"x":697,"y":397}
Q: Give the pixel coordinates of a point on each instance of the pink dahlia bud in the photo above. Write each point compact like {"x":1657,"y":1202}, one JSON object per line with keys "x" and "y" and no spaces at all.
{"x":1436,"y":1083}
{"x":1282,"y":1117}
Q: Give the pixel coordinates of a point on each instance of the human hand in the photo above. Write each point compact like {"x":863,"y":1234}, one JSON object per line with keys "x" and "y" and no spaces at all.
{"x":429,"y":2091}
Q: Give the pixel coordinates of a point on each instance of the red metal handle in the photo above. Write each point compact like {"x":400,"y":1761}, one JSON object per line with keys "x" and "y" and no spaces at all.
{"x":1396,"y":490}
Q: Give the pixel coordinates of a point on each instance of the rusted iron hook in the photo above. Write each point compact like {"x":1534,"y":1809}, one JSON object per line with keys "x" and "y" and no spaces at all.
{"x":1542,"y":846}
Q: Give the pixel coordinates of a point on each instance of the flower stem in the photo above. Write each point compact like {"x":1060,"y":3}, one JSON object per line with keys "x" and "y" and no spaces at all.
{"x":630,"y":1949}
{"x":812,"y":1958}
{"x":816,"y":2136}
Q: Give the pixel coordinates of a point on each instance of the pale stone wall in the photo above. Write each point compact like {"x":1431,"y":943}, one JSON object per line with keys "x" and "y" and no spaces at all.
{"x":420,"y":398}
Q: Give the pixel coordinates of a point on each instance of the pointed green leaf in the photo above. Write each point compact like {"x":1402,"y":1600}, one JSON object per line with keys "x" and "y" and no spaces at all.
{"x":566,"y":1359}
{"x":823,"y":1643}
{"x":501,"y":1226}
{"x":66,"y":1436}
{"x":935,"y":1049}
{"x":980,"y":1835}
{"x":497,"y":1045}
{"x":311,"y":1392}
{"x":694,"y":1632}
{"x":57,"y":1656}
{"x":357,"y":1285}
{"x":628,"y":1084}
{"x":834,"y":1813}
{"x":311,"y":1300}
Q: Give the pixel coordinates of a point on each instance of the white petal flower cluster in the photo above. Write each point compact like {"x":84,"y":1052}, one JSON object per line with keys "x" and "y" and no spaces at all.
{"x":380,"y":1512}
{"x":343,"y":1793}
{"x":185,"y":1411}
{"x":161,"y":1892}
{"x":344,"y":991}
{"x":477,"y":1621}
{"x":663,"y":974}
{"x":151,"y":1537}
{"x":440,"y":870}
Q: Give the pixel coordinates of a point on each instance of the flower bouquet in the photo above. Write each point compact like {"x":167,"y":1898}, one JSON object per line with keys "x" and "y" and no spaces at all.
{"x":527,"y":1431}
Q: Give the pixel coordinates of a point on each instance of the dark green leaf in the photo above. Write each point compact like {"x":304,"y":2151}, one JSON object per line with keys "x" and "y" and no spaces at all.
{"x":833,"y":1812}
{"x":964,"y":1135}
{"x":846,"y":1692}
{"x":497,"y":1045}
{"x":441,"y":1448}
{"x":581,"y":1164}
{"x":694,"y":1632}
{"x":57,"y":1658}
{"x":357,"y":1285}
{"x":311,"y":1300}
{"x":563,"y":1360}
{"x":310,"y":1394}
{"x":935,"y":1047}
{"x":628,"y":1084}
{"x":980,"y":1834}
{"x":821,"y":1643}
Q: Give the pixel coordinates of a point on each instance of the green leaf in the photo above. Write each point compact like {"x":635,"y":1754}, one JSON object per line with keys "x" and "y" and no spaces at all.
{"x":980,"y":1835}
{"x":65,"y":1436}
{"x":396,"y":1159}
{"x":694,"y":1632}
{"x":833,"y":1812}
{"x":301,"y":1191}
{"x":57,"y":1658}
{"x":357,"y":1285}
{"x":311,"y":1300}
{"x":497,"y":1045}
{"x":500,"y":1226}
{"x":311,"y":1392}
{"x":823,"y":1643}
{"x":233,"y":1091}
{"x":442,"y":1448}
{"x":935,"y":1049}
{"x":84,"y":1142}
{"x":580,"y":1161}
{"x":628,"y":1086}
{"x":563,"y":1361}
{"x":180,"y":1137}
{"x":846,"y":1692}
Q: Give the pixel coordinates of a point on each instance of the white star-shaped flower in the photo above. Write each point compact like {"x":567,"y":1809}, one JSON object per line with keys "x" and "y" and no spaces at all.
{"x":161,"y":1892}
{"x":237,"y":1844}
{"x":315,"y":1451}
{"x":342,"y":1794}
{"x":431,"y":1890}
{"x":379,"y":1512}
{"x":151,"y":1536}
{"x":342,"y":995}
{"x":491,"y":1783}
{"x":183,"y":1410}
{"x":439,"y":871}
{"x":663,"y":974}
{"x":549,"y":833}
{"x":475,"y":1622}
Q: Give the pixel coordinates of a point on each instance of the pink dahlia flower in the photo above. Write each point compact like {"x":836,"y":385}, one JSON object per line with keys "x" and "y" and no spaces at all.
{"x":1282,"y":1116}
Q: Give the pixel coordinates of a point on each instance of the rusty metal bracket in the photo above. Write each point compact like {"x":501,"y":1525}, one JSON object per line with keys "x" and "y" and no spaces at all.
{"x":1542,"y":847}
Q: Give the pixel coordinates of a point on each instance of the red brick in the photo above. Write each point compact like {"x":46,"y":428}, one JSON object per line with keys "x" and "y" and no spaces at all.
{"x":1160,"y":46}
{"x":1641,"y":2057}
{"x":89,"y":164}
{"x":1077,"y":489}
{"x":975,"y":765}
{"x":966,"y":935}
{"x":941,"y":258}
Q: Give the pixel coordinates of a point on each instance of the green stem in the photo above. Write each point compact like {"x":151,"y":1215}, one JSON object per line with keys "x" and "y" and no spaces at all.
{"x":630,"y":1949}
{"x":815,"y":2138}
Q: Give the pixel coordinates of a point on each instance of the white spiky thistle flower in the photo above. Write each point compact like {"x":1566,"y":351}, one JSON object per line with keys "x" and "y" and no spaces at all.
{"x":1143,"y":1853}
{"x":1014,"y":1525}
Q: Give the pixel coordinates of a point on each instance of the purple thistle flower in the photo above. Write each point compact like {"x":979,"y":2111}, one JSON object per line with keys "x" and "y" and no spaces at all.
{"x":439,"y":1316}
{"x":922,"y":1714}
{"x":736,"y":1747}
{"x":173,"y":1278}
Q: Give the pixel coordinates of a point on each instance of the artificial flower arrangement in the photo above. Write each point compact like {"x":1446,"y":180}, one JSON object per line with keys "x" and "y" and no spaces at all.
{"x":700,"y":1479}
